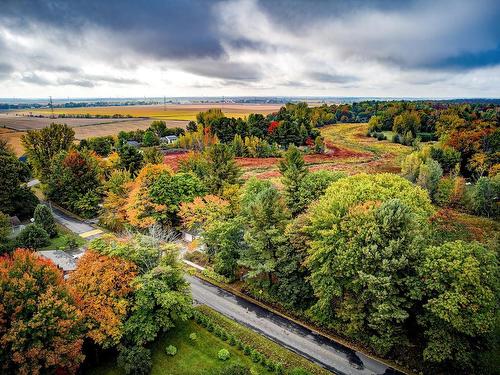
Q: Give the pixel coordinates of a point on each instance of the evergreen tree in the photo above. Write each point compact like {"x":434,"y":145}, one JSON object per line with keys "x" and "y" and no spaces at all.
{"x":293,"y":169}
{"x":44,"y":218}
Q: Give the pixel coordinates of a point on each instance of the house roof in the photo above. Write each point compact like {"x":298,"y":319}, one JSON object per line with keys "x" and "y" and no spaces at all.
{"x":63,"y":260}
{"x":170,"y":138}
{"x":133,"y":143}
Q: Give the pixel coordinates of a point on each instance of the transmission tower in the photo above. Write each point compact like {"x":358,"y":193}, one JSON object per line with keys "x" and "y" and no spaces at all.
{"x":51,"y":107}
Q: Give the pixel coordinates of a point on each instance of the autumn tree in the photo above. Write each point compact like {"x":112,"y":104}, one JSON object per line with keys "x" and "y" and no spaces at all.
{"x":42,"y":145}
{"x":159,"y":128}
{"x":41,"y":330}
{"x":117,"y":189}
{"x":157,"y":193}
{"x":103,"y":285}
{"x":152,"y":155}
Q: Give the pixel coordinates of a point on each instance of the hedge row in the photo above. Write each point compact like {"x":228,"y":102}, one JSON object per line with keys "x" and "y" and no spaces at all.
{"x":254,"y":345}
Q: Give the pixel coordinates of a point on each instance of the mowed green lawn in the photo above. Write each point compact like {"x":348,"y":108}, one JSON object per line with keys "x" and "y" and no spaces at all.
{"x":192,"y":358}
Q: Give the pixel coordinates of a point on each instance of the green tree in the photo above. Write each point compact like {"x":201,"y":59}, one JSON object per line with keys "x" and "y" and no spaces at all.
{"x":224,"y":240}
{"x":222,"y":169}
{"x":314,"y":185}
{"x":485,"y":196}
{"x":293,"y":170}
{"x":5,"y":227}
{"x":14,"y":198}
{"x":131,"y":158}
{"x":159,"y":128}
{"x":460,"y":283}
{"x":74,"y":181}
{"x":375,"y":124}
{"x":101,"y":145}
{"x":407,"y":122}
{"x":364,"y":243}
{"x":192,"y":126}
{"x":44,"y":218}
{"x":150,"y":139}
{"x":42,"y":145}
{"x":32,"y":236}
{"x":429,"y":174}
{"x":266,"y":216}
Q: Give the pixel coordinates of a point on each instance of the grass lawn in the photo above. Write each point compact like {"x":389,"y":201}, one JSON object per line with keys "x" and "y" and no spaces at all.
{"x":60,"y":241}
{"x":199,"y":357}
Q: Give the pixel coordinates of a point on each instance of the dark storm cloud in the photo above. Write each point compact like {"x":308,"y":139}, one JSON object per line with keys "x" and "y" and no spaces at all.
{"x":35,"y":79}
{"x":161,"y":29}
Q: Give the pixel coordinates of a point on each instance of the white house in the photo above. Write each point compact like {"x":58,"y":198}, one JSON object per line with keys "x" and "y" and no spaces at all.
{"x":169,"y":139}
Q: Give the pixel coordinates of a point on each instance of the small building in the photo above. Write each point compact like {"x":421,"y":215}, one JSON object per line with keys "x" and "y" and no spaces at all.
{"x":190,"y":235}
{"x":169,"y":139}
{"x":134,"y":144}
{"x":64,"y":261}
{"x":16,"y":224}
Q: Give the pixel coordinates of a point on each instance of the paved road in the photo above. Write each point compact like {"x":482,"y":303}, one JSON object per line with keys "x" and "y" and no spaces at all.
{"x":73,"y":224}
{"x":329,"y":354}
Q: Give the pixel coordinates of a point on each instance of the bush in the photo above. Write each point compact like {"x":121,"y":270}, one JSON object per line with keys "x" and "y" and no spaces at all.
{"x":135,"y":360}
{"x":256,"y":356}
{"x":32,"y":237}
{"x":223,"y":354}
{"x":71,"y":243}
{"x":171,"y":350}
{"x":44,"y":218}
{"x":279,"y":369}
{"x":193,"y":337}
{"x":247,"y":350}
{"x":232,"y":340}
{"x":396,"y":138}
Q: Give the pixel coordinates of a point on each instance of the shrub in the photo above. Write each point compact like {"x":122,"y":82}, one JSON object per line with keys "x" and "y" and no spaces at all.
{"x":193,"y":337}
{"x":232,"y":340}
{"x":171,"y":350}
{"x":223,"y":335}
{"x":135,"y":360}
{"x":43,"y":217}
{"x":396,"y":138}
{"x":223,"y":354}
{"x":256,"y":356}
{"x":32,"y":237}
{"x":71,"y":243}
{"x":444,"y":190}
{"x":247,"y":350}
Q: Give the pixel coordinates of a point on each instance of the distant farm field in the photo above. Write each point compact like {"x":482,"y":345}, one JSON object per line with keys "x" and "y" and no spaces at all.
{"x":169,"y":112}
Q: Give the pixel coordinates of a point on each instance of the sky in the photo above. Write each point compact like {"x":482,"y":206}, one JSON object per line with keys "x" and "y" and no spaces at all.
{"x":120,"y":48}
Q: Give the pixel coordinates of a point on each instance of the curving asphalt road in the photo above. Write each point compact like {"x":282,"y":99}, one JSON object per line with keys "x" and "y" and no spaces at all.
{"x":327,"y":353}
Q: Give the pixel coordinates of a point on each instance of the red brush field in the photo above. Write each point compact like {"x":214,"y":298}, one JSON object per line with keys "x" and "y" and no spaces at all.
{"x":173,"y":159}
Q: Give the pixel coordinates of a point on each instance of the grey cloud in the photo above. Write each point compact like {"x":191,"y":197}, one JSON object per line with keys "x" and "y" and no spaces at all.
{"x":332,"y":78}
{"x":222,"y":69}
{"x":35,"y":79}
{"x":5,"y":70}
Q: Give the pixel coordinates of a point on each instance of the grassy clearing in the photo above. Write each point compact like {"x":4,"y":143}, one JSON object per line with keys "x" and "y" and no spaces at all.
{"x":192,"y":358}
{"x":61,"y":240}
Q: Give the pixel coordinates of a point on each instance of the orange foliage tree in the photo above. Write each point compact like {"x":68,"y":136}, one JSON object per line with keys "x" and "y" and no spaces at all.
{"x":103,"y":287}
{"x":41,"y":329}
{"x":203,"y":209}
